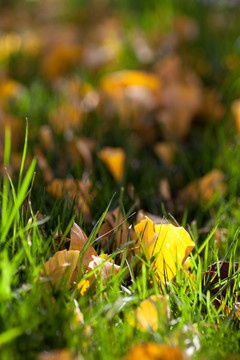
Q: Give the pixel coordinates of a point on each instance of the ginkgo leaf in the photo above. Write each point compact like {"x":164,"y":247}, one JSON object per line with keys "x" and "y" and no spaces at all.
{"x":114,"y":159}
{"x":170,"y":245}
{"x":149,"y":313}
{"x":151,"y":351}
{"x":61,"y":267}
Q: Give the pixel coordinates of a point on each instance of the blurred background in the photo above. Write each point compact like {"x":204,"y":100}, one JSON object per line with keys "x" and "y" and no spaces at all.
{"x":140,"y":96}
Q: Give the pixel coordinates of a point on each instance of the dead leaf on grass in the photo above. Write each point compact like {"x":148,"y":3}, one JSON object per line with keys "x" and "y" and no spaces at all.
{"x":152,"y":351}
{"x":204,"y":187}
{"x":114,"y":159}
{"x":150,"y":312}
{"x":170,"y":245}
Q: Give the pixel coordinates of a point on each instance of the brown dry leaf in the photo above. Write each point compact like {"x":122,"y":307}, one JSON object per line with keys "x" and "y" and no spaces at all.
{"x":107,"y":269}
{"x":46,"y":138}
{"x":60,"y":59}
{"x":165,"y":151}
{"x":82,"y":149}
{"x":78,"y":239}
{"x":164,"y":189}
{"x":80,"y":190}
{"x":204,"y":187}
{"x":43,"y":164}
{"x":236,"y":113}
{"x":150,"y":313}
{"x":152,"y":351}
{"x":62,"y":354}
{"x":181,"y":99}
{"x":142,"y":215}
{"x":114,"y":159}
{"x":169,"y":244}
{"x":61,"y":267}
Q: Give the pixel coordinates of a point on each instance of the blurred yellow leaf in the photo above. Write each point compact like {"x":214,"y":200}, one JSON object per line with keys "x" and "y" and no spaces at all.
{"x":236,"y":113}
{"x":149,"y":313}
{"x":169,"y":244}
{"x":151,"y":351}
{"x":204,"y":187}
{"x":113,"y":82}
{"x":114,"y":159}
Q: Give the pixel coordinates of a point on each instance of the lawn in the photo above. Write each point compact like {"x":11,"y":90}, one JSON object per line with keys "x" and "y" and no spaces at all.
{"x":119,"y":180}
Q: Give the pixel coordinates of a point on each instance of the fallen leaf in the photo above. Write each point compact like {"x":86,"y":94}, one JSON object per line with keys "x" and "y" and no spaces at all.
{"x":61,"y":267}
{"x":236,"y":113}
{"x":169,"y":244}
{"x":78,"y":239}
{"x":62,"y":354}
{"x":59,"y":59}
{"x":114,"y":159}
{"x":151,"y":311}
{"x":204,"y":187}
{"x":165,"y":151}
{"x":151,"y":351}
{"x":107,"y":269}
{"x":212,"y":277}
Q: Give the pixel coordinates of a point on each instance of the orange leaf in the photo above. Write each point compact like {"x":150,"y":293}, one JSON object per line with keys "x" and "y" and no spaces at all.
{"x":114,"y":159}
{"x":151,"y":351}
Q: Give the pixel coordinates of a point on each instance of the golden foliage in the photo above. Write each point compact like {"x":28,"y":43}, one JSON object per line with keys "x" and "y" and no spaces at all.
{"x":151,"y":351}
{"x":169,"y":244}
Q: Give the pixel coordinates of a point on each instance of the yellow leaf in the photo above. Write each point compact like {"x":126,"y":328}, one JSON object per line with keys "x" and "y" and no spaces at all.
{"x":151,"y":351}
{"x":121,"y":79}
{"x":114,"y":159}
{"x":148,"y":314}
{"x":236,"y":113}
{"x":170,"y":245}
{"x":61,"y":267}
